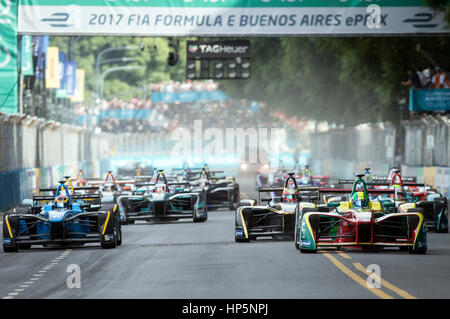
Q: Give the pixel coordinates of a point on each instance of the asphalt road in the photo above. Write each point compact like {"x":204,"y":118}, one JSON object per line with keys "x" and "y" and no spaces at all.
{"x":190,"y":261}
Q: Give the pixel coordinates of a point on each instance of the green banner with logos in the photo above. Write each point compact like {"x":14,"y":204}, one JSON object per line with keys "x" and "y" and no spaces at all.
{"x":227,"y":17}
{"x":8,"y":56}
{"x":226,"y":3}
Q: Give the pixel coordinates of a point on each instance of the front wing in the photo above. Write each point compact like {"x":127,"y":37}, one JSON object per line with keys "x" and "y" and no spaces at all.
{"x":315,"y":229}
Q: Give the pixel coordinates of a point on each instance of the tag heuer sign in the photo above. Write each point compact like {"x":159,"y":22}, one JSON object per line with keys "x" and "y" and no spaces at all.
{"x":218,"y":60}
{"x":218,"y":49}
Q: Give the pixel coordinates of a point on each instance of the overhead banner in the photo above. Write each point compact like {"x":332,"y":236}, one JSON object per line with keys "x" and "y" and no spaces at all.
{"x":8,"y":56}
{"x":227,"y":17}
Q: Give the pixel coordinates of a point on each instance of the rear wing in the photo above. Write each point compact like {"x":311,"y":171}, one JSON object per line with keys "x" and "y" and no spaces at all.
{"x":117,"y":182}
{"x":348,"y":191}
{"x":77,"y":188}
{"x":382,"y":183}
{"x":168,"y":184}
{"x":45,"y":198}
{"x":410,"y":179}
{"x":307,"y":191}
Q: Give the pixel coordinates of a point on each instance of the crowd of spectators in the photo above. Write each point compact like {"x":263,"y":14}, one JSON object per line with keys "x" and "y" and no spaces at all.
{"x":166,"y":117}
{"x":429,"y":78}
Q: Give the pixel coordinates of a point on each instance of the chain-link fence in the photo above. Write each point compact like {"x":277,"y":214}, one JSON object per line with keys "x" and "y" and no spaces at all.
{"x":427,"y":141}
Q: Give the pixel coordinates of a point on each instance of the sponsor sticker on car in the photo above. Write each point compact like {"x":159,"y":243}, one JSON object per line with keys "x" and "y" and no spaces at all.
{"x":239,"y":233}
{"x":306,"y":244}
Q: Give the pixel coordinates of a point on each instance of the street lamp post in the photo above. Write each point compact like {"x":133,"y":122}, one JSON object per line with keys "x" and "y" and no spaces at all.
{"x":116,"y":69}
{"x":108,"y":50}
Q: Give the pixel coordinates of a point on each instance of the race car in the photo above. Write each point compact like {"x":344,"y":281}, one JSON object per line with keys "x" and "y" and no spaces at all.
{"x":277,"y":218}
{"x":221,"y":191}
{"x":134,"y":168}
{"x":61,"y":222}
{"x":271,"y":179}
{"x":303,"y":177}
{"x":359,"y":222}
{"x":163,"y":201}
{"x":431,"y":203}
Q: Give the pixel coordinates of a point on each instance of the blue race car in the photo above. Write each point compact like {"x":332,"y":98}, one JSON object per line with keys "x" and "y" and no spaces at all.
{"x":64,"y":220}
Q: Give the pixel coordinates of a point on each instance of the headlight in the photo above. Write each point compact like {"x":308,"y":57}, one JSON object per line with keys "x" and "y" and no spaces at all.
{"x":244,"y":166}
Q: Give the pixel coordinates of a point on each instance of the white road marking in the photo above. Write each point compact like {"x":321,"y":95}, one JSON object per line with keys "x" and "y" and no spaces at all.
{"x":38,"y":275}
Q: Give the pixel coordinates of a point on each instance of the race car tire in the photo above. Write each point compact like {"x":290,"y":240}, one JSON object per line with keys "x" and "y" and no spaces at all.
{"x":308,"y":251}
{"x":113,"y":244}
{"x":119,"y":233}
{"x":14,"y":247}
{"x":417,"y":251}
{"x":10,"y":249}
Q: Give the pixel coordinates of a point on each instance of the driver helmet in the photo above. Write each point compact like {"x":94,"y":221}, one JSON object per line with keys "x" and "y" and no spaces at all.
{"x":307,"y":171}
{"x":368,"y":176}
{"x":61,"y":201}
{"x":360,"y":200}
{"x":291,"y":194}
{"x":160,"y":188}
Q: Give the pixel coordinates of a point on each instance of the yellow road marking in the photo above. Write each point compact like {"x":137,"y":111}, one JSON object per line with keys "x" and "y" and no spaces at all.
{"x":386,"y":284}
{"x":376,"y":291}
{"x":344,"y":255}
{"x":244,"y":195}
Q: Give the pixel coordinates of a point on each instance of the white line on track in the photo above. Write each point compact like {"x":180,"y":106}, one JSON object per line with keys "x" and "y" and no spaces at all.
{"x":38,"y":275}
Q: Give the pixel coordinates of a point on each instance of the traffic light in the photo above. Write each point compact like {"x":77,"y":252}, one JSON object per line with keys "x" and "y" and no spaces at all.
{"x":174,"y":55}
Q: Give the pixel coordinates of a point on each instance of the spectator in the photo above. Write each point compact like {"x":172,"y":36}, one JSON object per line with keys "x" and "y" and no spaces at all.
{"x":439,"y":78}
{"x":413,"y":80}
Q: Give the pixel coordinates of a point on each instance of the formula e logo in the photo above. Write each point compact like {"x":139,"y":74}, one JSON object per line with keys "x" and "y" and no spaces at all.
{"x":421,"y":20}
{"x":4,"y":11}
{"x":5,"y":57}
{"x":306,"y":244}
{"x":58,"y":20}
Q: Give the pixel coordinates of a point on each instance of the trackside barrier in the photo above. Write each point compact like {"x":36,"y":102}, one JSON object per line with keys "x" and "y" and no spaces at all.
{"x":344,"y":152}
{"x":32,"y":151}
{"x":364,"y":143}
{"x":427,"y":141}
